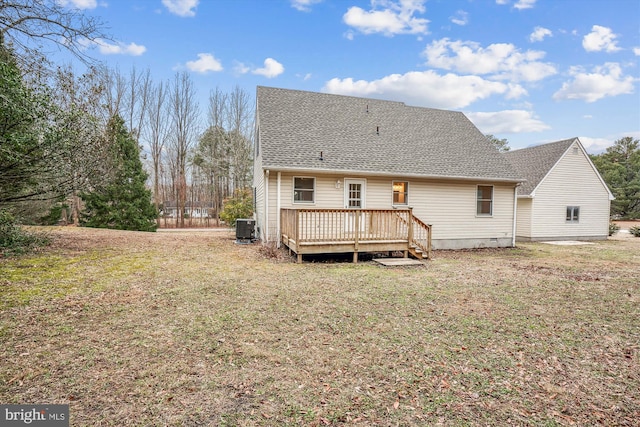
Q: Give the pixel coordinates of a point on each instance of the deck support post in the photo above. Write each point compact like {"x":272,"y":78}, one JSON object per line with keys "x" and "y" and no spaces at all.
{"x":356,"y":236}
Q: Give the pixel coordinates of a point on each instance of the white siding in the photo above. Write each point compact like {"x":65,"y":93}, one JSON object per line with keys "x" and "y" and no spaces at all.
{"x":524,"y":218}
{"x":449,"y":207}
{"x":572,"y":182}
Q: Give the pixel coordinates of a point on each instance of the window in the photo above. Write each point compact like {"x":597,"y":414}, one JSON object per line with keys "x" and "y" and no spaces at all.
{"x":304,"y":190}
{"x":485,"y":200}
{"x":400,"y":193}
{"x":573,"y":213}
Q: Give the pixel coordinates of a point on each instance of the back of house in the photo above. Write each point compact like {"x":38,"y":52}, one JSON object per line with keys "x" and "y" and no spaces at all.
{"x":324,"y":151}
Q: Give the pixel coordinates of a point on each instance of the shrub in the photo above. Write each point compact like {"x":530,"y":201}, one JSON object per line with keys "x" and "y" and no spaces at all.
{"x":635,"y":230}
{"x":613,"y":228}
{"x":14,"y":240}
{"x":238,"y":206}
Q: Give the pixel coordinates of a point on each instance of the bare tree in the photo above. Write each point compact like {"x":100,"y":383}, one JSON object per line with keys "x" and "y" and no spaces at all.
{"x":113,"y":93}
{"x":184,"y":112}
{"x":241,"y":126}
{"x":83,"y":160}
{"x":156,"y":129}
{"x":31,"y":25}
{"x":136,"y":100}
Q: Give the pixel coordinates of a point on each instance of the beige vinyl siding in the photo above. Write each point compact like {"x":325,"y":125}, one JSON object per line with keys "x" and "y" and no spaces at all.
{"x":572,"y":182}
{"x":449,"y":207}
{"x":523,"y":219}
{"x":258,"y":184}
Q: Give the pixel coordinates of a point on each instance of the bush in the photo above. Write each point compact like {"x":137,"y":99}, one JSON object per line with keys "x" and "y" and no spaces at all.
{"x":238,"y":206}
{"x":14,"y":240}
{"x":635,"y":230}
{"x":613,"y":228}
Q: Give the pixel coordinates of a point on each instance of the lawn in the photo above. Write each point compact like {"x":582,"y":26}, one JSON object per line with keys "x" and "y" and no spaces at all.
{"x":191,"y":329}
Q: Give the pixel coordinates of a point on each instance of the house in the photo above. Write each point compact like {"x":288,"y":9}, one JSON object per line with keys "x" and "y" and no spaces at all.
{"x":192,"y":209}
{"x":337,"y":173}
{"x":564,"y":197}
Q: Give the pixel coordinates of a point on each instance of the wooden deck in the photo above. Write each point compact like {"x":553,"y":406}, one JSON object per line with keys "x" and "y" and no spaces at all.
{"x":323,"y":231}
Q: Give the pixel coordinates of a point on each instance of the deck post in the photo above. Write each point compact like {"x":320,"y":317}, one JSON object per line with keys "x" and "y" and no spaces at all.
{"x":356,"y":236}
{"x":410,"y":232}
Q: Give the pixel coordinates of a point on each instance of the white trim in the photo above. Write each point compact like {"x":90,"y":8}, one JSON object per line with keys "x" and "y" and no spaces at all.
{"x":395,"y":175}
{"x":266,"y":205}
{"x":278,"y":184}
{"x":515,"y":214}
{"x":363,"y":191}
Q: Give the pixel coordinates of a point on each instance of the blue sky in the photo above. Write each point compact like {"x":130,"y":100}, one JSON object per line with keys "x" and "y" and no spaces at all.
{"x":531,"y":71}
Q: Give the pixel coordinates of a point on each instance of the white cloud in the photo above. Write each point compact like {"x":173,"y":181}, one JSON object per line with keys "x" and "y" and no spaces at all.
{"x":119,"y":48}
{"x":520,"y":4}
{"x":394,"y":17}
{"x":79,"y":4}
{"x":304,"y":5}
{"x":184,"y":8}
{"x":272,"y":68}
{"x":595,"y":145}
{"x":606,"y":80}
{"x":499,"y":61}
{"x":460,"y":18}
{"x":507,"y":121}
{"x":240,"y":68}
{"x":426,"y":88}
{"x":205,"y":63}
{"x":525,"y":4}
{"x":599,"y":39}
{"x":636,"y":51}
{"x":539,"y":33}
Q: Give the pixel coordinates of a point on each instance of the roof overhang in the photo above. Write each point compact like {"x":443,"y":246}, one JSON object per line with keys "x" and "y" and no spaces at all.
{"x":393,"y":174}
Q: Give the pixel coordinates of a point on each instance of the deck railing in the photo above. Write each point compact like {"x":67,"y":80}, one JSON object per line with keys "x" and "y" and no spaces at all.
{"x":301,"y":227}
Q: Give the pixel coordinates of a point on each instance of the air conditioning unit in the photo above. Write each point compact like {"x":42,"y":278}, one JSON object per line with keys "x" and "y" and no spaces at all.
{"x":245,"y":229}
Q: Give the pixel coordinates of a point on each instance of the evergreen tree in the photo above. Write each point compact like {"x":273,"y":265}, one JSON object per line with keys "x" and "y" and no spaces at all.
{"x":501,"y":144}
{"x":124,"y":203}
{"x":24,"y":143}
{"x":620,"y":168}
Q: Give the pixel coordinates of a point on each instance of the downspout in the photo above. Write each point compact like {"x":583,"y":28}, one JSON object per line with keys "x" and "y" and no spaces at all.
{"x":515,"y":213}
{"x":266,"y":205}
{"x":278,"y":209}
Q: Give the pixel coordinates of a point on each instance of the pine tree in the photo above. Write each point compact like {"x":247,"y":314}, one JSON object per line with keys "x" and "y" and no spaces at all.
{"x":124,"y":203}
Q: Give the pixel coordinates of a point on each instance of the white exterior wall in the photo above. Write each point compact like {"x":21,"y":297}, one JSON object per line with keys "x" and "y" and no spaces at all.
{"x":449,"y":207}
{"x":523,"y":218}
{"x":572,"y":182}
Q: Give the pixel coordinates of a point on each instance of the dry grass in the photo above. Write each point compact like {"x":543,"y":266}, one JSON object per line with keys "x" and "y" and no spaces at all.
{"x":174,"y":328}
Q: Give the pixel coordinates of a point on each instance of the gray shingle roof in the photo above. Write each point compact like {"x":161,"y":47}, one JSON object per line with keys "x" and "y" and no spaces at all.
{"x":535,"y":162}
{"x":362,"y":135}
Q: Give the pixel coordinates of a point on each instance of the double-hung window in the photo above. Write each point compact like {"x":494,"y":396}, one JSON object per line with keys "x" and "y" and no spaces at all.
{"x":400,"y":193}
{"x":484,"y":200}
{"x":573,"y":213}
{"x":304,"y":190}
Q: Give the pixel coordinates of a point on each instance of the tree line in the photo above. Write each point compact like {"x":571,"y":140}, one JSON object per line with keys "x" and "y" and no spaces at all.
{"x":83,"y":147}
